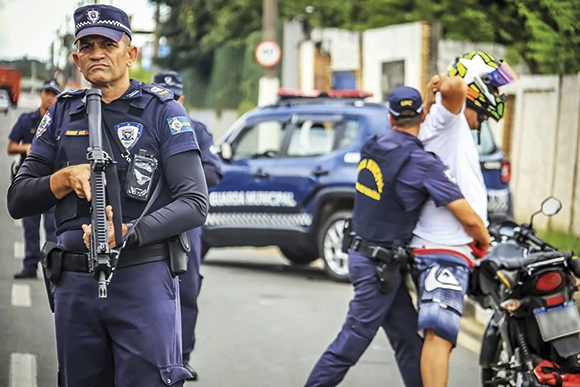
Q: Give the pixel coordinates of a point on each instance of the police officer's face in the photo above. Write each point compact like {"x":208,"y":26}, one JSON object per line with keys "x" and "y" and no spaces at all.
{"x":47,"y":99}
{"x":104,"y":62}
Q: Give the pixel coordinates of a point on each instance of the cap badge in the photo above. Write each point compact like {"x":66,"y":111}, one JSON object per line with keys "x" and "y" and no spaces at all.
{"x":93,"y":15}
{"x":406,"y":102}
{"x":168,"y":80}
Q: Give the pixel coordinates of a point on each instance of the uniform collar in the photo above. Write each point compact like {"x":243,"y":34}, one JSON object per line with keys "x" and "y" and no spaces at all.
{"x":132,"y":94}
{"x":134,"y":90}
{"x":35,"y":114}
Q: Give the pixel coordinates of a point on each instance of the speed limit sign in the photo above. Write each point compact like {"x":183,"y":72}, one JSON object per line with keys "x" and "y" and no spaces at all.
{"x":267,"y":53}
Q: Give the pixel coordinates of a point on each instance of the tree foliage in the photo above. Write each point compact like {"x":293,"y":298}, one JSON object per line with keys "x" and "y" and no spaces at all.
{"x":545,"y":33}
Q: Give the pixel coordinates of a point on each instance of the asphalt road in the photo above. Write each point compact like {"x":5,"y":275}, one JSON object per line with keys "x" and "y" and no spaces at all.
{"x":262,"y":322}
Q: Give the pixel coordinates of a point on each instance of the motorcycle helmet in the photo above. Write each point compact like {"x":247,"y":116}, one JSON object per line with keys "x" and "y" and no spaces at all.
{"x":484,"y":74}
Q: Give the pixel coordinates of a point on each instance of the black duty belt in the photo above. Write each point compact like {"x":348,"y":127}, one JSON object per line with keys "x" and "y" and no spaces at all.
{"x":146,"y":254}
{"x":372,"y":251}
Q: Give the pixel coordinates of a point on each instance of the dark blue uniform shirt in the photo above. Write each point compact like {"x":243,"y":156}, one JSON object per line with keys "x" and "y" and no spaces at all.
{"x":24,"y":129}
{"x":209,"y":160}
{"x":145,"y":117}
{"x":396,"y":176}
{"x":424,"y":174}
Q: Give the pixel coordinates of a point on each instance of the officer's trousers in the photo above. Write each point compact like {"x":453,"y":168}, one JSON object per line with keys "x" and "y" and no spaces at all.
{"x":189,"y":287}
{"x":130,"y":339}
{"x":31,"y":226}
{"x":369,"y":310}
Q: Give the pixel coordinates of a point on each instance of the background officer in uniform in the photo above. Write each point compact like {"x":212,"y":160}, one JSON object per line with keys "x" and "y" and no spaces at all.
{"x":396,"y":176}
{"x":132,"y":337}
{"x":461,"y":101}
{"x":190,"y":282}
{"x":19,"y":142}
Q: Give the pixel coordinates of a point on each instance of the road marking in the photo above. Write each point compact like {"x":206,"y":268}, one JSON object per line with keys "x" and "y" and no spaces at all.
{"x":21,"y":295}
{"x":22,"y":370}
{"x":18,"y":250}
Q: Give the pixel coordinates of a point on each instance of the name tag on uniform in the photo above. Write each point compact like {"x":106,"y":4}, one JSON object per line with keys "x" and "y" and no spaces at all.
{"x":84,"y":132}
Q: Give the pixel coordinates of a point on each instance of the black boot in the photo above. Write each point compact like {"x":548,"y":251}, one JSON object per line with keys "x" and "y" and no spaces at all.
{"x":26,"y":272}
{"x":193,"y":373}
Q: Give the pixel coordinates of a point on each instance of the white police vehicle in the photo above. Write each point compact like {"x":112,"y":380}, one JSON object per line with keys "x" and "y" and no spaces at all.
{"x":289,"y":175}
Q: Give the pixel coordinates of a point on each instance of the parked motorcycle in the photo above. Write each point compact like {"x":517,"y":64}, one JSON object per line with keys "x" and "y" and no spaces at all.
{"x":535,"y":327}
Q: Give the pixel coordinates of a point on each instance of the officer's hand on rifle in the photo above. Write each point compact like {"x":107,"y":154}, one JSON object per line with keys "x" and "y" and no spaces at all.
{"x":87,"y":229}
{"x":73,"y":178}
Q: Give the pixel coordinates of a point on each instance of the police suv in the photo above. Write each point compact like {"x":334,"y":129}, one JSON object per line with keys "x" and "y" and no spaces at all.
{"x":290,"y":170}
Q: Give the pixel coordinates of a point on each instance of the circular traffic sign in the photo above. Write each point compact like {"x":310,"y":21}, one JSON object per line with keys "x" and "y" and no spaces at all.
{"x":268,"y":53}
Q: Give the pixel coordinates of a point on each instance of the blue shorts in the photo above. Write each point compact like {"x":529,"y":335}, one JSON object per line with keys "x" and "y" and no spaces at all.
{"x":441,"y":277}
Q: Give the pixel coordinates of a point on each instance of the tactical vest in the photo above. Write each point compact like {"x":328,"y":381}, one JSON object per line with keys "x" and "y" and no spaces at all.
{"x":379,"y":215}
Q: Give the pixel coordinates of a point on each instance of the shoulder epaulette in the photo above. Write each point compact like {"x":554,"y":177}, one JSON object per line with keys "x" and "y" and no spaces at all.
{"x":73,"y":93}
{"x":161,"y":93}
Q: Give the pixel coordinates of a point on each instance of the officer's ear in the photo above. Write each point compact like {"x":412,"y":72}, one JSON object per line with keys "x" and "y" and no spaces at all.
{"x":423,"y":116}
{"x":391,"y":121}
{"x":133,"y":53}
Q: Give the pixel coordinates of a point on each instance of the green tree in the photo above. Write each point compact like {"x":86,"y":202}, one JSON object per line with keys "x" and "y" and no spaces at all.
{"x":543,"y":33}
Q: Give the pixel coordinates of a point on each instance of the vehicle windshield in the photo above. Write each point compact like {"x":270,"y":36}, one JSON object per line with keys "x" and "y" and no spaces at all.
{"x":486,"y":144}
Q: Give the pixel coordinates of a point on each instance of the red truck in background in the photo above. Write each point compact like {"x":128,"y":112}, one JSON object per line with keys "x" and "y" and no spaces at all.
{"x":10,"y":81}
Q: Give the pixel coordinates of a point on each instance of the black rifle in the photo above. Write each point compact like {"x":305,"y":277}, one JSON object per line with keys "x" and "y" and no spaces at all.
{"x":102,"y":259}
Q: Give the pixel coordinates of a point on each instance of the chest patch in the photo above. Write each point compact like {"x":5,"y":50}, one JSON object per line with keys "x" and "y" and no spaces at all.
{"x":129,"y":133}
{"x":179,"y":124}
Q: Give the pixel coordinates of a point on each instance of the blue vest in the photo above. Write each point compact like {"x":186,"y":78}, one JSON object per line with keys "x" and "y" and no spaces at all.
{"x":142,"y":118}
{"x":379,"y":214}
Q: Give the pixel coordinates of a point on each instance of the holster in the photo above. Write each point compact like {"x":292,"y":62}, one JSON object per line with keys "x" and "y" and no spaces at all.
{"x":179,"y":246}
{"x":389,"y":268}
{"x":51,"y":261}
{"x":347,"y":235}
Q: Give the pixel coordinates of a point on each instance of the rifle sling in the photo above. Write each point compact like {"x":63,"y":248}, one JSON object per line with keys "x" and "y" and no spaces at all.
{"x":114,"y":192}
{"x":127,"y":155}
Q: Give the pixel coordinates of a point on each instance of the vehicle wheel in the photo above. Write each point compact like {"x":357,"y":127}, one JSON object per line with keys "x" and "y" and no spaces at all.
{"x":491,"y":376}
{"x":298,"y":256}
{"x":329,"y":244}
{"x":204,"y":249}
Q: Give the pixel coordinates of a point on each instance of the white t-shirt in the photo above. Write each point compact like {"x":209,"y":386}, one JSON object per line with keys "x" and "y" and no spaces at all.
{"x":449,"y":137}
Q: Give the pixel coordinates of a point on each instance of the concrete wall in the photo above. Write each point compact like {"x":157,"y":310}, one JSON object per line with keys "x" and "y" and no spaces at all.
{"x":388,"y":44}
{"x":545,"y":148}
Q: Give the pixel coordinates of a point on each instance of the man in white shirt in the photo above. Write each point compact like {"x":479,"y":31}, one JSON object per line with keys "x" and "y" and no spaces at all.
{"x":442,"y":248}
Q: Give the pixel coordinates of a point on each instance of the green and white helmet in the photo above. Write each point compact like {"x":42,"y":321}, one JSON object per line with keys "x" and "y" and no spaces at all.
{"x":484,"y":74}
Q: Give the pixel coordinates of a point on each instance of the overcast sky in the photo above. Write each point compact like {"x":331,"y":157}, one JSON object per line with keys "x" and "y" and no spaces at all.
{"x":27,"y":27}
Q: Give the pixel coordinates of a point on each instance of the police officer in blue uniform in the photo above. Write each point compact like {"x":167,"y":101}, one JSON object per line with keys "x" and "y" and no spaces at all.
{"x":190,"y":282}
{"x":19,"y":142}
{"x":132,"y":337}
{"x":396,"y":177}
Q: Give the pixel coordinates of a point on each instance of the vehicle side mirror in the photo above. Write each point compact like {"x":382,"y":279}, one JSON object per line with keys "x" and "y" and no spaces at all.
{"x":225,"y":151}
{"x":551,"y":206}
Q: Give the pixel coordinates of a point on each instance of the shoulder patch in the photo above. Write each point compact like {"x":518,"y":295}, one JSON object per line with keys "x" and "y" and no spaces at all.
{"x":76,"y":93}
{"x":44,"y":123}
{"x":158,"y":91}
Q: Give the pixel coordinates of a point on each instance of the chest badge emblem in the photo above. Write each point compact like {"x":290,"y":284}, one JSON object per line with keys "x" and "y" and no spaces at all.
{"x":129,"y":133}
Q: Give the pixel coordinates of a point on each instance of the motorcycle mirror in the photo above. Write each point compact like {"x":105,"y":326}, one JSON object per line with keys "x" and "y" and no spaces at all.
{"x":551,"y":206}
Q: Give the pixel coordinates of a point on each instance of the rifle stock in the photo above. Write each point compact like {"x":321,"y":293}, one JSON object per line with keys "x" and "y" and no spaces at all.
{"x":102,"y":259}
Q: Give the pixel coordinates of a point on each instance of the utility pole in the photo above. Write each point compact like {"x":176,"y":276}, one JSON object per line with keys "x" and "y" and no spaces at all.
{"x":156,"y":37}
{"x":268,"y":54}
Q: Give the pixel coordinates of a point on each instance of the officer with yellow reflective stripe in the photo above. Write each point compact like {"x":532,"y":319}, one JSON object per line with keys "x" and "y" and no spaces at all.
{"x":396,"y":176}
